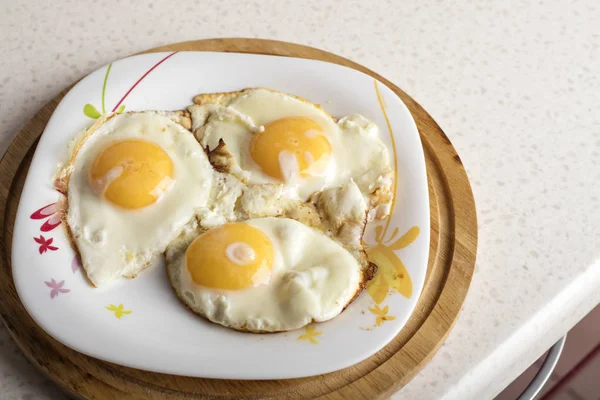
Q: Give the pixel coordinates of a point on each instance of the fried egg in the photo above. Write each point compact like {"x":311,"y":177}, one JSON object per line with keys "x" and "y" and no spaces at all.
{"x":263,"y":275}
{"x":133,"y":182}
{"x":266,"y":137}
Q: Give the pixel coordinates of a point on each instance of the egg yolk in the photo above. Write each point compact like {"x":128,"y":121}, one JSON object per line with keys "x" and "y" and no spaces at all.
{"x":297,"y":140}
{"x":233,"y":257}
{"x":131,"y":173}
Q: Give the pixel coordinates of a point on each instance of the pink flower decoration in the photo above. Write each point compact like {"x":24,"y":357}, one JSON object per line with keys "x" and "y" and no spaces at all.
{"x":57,"y":287}
{"x":45,"y":245}
{"x":47,"y":211}
{"x":75,"y":264}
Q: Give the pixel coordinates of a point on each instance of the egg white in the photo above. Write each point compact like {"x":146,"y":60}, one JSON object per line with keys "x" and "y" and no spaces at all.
{"x":113,"y":241}
{"x":313,"y":278}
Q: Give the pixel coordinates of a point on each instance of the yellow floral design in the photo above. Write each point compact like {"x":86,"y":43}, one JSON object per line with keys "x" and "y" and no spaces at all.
{"x":118,"y":310}
{"x":391,"y":273}
{"x":381,"y":314}
{"x":310,"y":334}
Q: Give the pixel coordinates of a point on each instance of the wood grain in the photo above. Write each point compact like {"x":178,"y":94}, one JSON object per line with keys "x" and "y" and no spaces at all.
{"x":450,"y":268}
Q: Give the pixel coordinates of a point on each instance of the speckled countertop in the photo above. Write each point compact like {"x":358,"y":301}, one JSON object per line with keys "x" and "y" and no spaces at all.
{"x":514,"y":84}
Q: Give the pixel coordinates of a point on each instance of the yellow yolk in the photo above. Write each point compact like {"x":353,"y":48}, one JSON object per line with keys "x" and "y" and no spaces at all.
{"x":233,"y":256}
{"x":300,"y":138}
{"x":131,"y":173}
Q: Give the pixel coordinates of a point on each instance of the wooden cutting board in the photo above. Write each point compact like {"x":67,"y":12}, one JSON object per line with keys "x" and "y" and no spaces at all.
{"x":451,"y":265}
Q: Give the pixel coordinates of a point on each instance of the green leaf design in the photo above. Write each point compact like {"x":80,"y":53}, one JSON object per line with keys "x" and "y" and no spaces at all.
{"x":104,"y":86}
{"x":121,"y":109}
{"x":90,"y":111}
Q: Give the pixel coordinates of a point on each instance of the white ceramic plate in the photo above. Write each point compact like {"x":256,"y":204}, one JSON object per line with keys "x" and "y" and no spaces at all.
{"x":140,"y":323}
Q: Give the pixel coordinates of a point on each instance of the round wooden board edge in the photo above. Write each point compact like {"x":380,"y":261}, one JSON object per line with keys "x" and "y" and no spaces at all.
{"x":445,"y":159}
